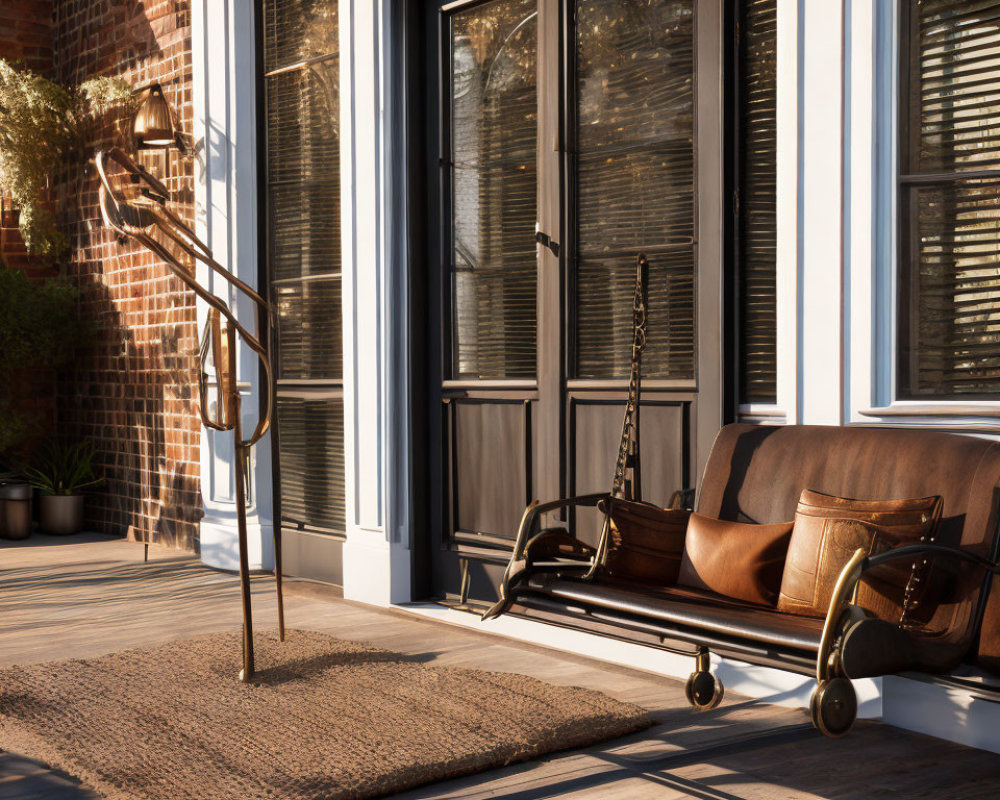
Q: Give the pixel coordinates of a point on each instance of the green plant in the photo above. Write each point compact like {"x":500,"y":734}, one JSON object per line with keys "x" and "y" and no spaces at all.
{"x":39,"y":327}
{"x":41,"y":123}
{"x":63,"y":469}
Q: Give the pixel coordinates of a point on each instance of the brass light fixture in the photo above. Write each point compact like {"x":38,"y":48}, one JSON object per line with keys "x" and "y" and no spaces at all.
{"x":153,"y":127}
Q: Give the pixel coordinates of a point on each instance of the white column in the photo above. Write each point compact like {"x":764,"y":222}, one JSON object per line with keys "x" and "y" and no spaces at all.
{"x":376,"y":418}
{"x":225,"y":195}
{"x":787,"y":237}
{"x":821,"y":307}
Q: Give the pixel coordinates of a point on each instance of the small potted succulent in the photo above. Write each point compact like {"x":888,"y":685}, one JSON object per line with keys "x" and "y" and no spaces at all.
{"x":63,"y":471}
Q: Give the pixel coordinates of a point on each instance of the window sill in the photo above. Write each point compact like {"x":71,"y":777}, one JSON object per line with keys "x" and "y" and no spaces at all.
{"x":967,"y":417}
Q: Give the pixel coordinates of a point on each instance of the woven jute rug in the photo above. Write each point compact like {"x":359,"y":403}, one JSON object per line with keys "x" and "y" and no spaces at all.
{"x":324,"y":718}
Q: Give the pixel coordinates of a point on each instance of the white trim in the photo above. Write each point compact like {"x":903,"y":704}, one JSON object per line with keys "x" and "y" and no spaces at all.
{"x":821,"y":252}
{"x":787,"y":236}
{"x":225,"y":196}
{"x":870,"y":206}
{"x":377,"y":561}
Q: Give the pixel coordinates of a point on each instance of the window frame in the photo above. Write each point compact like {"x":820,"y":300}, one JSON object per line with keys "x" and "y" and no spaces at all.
{"x":908,"y":178}
{"x":304,"y":389}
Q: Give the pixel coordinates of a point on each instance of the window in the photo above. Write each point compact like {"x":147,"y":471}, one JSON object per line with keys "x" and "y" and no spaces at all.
{"x":757,"y":207}
{"x":635,"y":175}
{"x":302,"y":177}
{"x":494,"y":119}
{"x":949,"y":200}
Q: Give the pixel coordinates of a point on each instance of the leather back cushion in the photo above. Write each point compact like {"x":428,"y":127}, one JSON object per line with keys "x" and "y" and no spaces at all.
{"x":646,"y":542}
{"x":827,"y":532}
{"x":734,"y":559}
{"x":755,"y":473}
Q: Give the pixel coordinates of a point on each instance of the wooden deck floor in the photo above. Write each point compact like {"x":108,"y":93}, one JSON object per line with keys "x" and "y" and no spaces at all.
{"x":86,"y":596}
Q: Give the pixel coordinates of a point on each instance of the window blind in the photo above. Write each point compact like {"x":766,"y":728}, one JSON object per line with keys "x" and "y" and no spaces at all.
{"x":494,"y":120}
{"x":758,"y":213}
{"x":301,"y":86}
{"x":949,"y":185}
{"x":635,"y":175}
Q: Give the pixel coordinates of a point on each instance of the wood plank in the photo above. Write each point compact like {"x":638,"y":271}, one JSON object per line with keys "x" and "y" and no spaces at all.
{"x":85,"y":596}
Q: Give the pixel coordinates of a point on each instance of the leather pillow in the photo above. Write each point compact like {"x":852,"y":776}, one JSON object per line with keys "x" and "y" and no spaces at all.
{"x":734,"y":559}
{"x":829,"y":529}
{"x":646,"y":542}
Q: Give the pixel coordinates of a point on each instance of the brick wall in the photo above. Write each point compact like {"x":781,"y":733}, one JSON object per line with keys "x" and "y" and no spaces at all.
{"x":26,"y":33}
{"x":26,"y":36}
{"x":134,"y":392}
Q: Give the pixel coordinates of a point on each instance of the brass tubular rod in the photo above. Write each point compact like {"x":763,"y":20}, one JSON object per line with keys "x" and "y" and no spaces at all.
{"x":137,"y":220}
{"x":239,"y":456}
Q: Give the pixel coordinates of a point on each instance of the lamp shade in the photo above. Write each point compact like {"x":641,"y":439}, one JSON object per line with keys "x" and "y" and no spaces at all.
{"x":153,"y":126}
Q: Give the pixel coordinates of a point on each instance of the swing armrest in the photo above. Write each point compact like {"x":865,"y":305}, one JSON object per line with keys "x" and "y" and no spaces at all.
{"x":559,"y":542}
{"x":854,"y":570}
{"x":536,"y":509}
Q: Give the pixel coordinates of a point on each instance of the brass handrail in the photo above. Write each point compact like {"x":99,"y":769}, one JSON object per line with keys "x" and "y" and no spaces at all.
{"x":137,"y":218}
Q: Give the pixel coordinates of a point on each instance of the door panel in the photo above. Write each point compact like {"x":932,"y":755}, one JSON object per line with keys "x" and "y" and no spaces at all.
{"x":490,"y":454}
{"x":595,"y":430}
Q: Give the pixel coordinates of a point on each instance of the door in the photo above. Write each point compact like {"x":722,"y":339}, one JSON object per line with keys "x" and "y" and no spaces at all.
{"x":573,"y":136}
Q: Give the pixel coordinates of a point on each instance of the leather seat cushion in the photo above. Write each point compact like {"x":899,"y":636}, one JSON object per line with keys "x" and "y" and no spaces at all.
{"x":687,"y":608}
{"x":734,"y":559}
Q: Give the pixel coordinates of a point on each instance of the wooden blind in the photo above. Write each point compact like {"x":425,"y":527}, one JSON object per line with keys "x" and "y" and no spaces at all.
{"x":635,"y":184}
{"x":301,"y":85}
{"x":949,"y":209}
{"x":494,"y":120}
{"x":758,"y":214}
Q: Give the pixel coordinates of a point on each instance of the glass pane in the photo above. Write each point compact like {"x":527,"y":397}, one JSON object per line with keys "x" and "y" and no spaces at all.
{"x":954,"y":330}
{"x":758,"y":217}
{"x":304,"y":253}
{"x":312,"y":462}
{"x":494,"y":120}
{"x":636,"y":178}
{"x":297,"y":30}
{"x":309,"y":333}
{"x":958,"y":84}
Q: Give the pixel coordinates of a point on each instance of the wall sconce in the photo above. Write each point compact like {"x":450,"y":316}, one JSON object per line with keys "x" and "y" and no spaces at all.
{"x":153,"y":126}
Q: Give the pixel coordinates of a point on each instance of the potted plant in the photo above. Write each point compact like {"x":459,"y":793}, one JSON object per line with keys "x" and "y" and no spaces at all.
{"x":63,"y":471}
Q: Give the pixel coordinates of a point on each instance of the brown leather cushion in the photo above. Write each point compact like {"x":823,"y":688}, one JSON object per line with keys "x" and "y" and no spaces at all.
{"x":646,"y":542}
{"x":734,"y":559}
{"x":829,"y":529}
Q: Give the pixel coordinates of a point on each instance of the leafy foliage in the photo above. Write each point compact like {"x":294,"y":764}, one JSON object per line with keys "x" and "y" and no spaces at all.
{"x":40,"y":124}
{"x":39,"y":327}
{"x":63,"y":469}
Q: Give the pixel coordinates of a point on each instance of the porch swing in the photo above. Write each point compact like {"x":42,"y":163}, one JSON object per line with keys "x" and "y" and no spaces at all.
{"x":897,"y":585}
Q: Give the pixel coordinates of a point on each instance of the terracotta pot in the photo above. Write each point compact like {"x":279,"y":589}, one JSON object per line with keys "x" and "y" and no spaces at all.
{"x":15,"y":511}
{"x":61,"y":514}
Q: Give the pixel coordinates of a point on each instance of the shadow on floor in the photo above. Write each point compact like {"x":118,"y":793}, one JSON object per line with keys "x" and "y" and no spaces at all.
{"x":24,"y":779}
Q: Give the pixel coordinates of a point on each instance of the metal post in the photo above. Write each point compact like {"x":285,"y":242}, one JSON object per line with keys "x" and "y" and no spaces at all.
{"x":240,"y":453}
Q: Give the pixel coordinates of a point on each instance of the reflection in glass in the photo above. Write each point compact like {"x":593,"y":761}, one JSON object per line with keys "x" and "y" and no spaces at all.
{"x":635,"y":183}
{"x":493,"y":190}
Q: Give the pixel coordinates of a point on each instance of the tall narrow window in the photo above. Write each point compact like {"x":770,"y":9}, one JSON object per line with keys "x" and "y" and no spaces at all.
{"x":303,"y":259}
{"x":635,"y":174}
{"x":758,"y":217}
{"x":494,"y":119}
{"x":949,"y":200}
